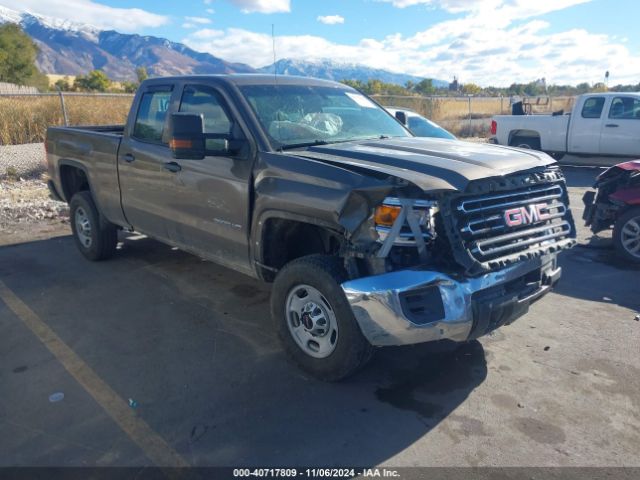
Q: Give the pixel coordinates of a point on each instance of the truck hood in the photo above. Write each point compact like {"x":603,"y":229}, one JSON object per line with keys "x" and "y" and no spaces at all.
{"x":429,"y":163}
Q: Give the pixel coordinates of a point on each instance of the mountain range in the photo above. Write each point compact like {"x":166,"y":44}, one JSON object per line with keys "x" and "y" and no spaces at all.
{"x":331,"y":70}
{"x":69,"y":48}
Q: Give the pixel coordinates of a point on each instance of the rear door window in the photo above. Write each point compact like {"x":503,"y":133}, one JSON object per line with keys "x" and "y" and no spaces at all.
{"x":592,"y":107}
{"x":151,"y":116}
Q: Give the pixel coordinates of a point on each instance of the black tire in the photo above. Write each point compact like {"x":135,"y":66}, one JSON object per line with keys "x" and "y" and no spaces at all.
{"x":531,"y":143}
{"x":100,"y":243}
{"x":324,"y":273}
{"x":631,"y":215}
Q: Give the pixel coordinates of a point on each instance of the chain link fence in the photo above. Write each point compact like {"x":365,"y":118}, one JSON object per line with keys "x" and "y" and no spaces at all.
{"x":469,"y":116}
{"x":24,"y":117}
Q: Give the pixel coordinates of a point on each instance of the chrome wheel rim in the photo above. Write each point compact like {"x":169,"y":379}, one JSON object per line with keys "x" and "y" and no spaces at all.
{"x":311,"y":321}
{"x":83,"y":227}
{"x":630,"y":236}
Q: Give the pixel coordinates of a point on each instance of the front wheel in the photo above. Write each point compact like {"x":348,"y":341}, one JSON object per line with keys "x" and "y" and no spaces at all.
{"x":314,"y":319}
{"x":626,"y":235}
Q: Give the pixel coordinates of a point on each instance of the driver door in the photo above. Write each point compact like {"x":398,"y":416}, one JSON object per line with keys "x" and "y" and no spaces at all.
{"x":211,"y":196}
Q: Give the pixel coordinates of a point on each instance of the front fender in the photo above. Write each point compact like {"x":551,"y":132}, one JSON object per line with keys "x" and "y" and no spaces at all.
{"x":313,"y":192}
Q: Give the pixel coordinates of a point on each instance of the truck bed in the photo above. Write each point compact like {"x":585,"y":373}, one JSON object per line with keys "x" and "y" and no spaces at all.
{"x":103,"y":129}
{"x":94,"y":149}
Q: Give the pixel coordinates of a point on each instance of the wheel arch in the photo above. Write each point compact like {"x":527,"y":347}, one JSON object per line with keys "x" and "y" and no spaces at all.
{"x":278,"y":236}
{"x":74,"y":178}
{"x":523,"y":133}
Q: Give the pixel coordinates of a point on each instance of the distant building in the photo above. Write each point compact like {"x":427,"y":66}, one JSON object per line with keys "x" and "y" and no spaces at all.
{"x":8,"y":88}
{"x":454,"y":86}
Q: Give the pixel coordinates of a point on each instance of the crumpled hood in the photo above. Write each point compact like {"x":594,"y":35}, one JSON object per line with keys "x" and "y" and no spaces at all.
{"x":429,"y":163}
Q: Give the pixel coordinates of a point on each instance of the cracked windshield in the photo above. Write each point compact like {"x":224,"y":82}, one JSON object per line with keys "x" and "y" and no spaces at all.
{"x":297,"y":116}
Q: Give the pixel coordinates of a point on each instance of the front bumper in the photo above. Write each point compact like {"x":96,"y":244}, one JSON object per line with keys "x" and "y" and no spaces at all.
{"x":415,"y":306}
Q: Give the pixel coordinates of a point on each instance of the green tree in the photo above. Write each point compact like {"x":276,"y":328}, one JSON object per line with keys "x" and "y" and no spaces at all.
{"x":63,"y":84}
{"x":425,"y":87}
{"x":94,"y":81}
{"x":141,"y":73}
{"x":129,"y":87}
{"x":471,"y":89}
{"x":18,"y":58}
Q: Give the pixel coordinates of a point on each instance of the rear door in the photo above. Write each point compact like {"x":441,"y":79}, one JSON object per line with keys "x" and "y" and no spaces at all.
{"x":585,"y":125}
{"x":621,"y":129}
{"x":146,"y":185}
{"x":211,"y":196}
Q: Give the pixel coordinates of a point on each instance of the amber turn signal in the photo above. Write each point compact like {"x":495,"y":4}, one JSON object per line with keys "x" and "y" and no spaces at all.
{"x":386,"y":215}
{"x":175,"y":143}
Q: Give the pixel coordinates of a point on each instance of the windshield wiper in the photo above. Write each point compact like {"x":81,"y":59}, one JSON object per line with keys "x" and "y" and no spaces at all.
{"x":314,"y":143}
{"x":304,"y":144}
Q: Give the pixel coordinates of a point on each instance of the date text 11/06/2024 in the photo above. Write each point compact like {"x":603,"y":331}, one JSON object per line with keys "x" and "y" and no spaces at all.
{"x":315,"y":472}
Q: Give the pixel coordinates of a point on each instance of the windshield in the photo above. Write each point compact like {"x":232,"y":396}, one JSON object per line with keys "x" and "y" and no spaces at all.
{"x":422,"y":127}
{"x":297,"y":116}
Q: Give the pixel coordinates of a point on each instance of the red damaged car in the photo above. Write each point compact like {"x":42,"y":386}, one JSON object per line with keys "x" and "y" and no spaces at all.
{"x":617,"y":203}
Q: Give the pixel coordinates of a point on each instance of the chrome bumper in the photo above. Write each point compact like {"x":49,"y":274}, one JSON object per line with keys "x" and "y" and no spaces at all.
{"x":415,"y":306}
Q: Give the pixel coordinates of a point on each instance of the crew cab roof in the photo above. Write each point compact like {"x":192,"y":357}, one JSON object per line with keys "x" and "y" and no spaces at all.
{"x":248,"y":79}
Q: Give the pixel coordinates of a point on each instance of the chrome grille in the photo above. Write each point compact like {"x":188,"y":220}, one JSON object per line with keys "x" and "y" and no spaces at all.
{"x":499,"y":226}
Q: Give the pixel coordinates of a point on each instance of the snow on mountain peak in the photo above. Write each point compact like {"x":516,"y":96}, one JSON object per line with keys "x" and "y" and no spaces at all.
{"x":28,"y":18}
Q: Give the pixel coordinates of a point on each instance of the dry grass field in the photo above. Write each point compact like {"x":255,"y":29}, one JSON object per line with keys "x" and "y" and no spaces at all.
{"x":24,"y":119}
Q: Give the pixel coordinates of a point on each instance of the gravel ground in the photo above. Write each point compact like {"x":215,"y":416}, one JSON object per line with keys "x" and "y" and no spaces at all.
{"x":26,"y":211}
{"x":26,"y":161}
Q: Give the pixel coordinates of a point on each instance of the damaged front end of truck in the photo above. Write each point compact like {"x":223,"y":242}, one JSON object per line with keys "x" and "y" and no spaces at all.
{"x":456,"y":265}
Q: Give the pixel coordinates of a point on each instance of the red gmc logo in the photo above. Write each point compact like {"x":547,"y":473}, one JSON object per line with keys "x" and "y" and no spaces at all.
{"x":515,"y":217}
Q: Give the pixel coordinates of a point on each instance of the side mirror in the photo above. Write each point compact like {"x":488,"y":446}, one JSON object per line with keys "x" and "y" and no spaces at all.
{"x":187,"y":136}
{"x":402,"y":117}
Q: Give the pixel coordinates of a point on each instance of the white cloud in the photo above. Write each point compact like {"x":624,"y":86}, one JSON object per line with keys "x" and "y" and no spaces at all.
{"x":488,"y":46}
{"x":199,"y":20}
{"x":453,"y":6}
{"x":193,"y":22}
{"x":210,"y":11}
{"x":90,"y":12}
{"x":263,"y":6}
{"x":330,"y":19}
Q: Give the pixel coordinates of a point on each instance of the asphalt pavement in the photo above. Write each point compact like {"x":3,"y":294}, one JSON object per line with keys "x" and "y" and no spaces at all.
{"x":159,"y":358}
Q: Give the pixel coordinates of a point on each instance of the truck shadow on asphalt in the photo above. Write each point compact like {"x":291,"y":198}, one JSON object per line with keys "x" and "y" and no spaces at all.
{"x":191,"y":342}
{"x":597,"y":274}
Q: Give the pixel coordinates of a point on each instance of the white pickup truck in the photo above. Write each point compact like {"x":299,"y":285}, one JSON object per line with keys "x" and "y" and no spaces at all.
{"x":604,"y":124}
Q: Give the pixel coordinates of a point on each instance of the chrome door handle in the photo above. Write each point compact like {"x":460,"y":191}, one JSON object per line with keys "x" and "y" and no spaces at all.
{"x":128,"y":157}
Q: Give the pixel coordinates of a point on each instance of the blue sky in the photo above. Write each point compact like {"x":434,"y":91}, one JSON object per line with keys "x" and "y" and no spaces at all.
{"x":485,"y":41}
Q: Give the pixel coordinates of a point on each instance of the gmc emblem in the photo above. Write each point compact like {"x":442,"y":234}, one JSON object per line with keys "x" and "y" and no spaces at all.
{"x":515,"y":217}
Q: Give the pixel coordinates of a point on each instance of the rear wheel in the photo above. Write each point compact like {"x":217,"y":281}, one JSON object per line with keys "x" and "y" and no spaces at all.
{"x":626,"y":235}
{"x":95,"y":237}
{"x":314,"y":319}
{"x":530,"y":143}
